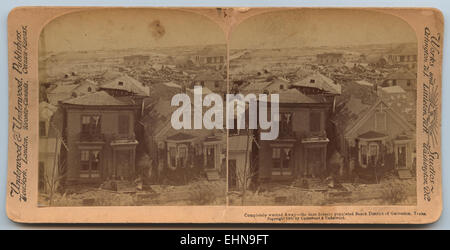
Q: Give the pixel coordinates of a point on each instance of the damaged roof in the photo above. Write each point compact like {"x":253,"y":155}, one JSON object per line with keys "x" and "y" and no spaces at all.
{"x":129,"y":84}
{"x":100,"y":98}
{"x":319,"y":81}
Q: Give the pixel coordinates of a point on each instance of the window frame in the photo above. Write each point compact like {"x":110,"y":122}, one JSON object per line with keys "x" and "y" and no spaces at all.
{"x":89,"y":173}
{"x":90,"y":130}
{"x":286,"y":129}
{"x":281,"y":161}
{"x":364,"y":159}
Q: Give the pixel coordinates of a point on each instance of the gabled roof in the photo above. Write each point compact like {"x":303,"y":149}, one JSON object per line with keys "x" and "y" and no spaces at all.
{"x":295,"y":96}
{"x":110,"y":75}
{"x":257,"y":87}
{"x":64,"y":88}
{"x":319,"y":81}
{"x":129,"y":84}
{"x":100,"y":98}
{"x":87,"y":82}
{"x":352,"y":125}
{"x":393,"y":90}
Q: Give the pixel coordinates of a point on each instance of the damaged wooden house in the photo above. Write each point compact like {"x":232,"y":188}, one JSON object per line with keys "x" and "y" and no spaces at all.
{"x":301,"y":148}
{"x":373,"y":137}
{"x":99,"y":129}
{"x":180,"y":155}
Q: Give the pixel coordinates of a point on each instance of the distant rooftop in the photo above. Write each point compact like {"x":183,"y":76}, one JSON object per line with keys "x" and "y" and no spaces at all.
{"x":129,"y":84}
{"x":100,"y":98}
{"x":393,"y":90}
{"x":319,"y":81}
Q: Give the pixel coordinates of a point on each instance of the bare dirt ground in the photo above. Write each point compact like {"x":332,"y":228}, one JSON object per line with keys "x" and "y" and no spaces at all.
{"x":196,"y":193}
{"x":387,"y":192}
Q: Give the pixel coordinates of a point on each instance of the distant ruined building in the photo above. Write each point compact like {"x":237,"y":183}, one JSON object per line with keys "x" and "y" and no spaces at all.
{"x":136,"y":60}
{"x":330,"y":58}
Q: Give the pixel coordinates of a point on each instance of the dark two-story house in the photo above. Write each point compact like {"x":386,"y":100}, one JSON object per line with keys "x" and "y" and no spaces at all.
{"x":99,"y":130}
{"x":301,"y":147}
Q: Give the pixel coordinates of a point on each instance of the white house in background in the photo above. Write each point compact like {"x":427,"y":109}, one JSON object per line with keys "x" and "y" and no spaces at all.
{"x":239,"y":161}
{"x":50,"y":122}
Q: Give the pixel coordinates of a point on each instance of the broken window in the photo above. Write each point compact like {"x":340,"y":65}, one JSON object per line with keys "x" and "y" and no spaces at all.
{"x":286,"y":124}
{"x":369,"y":153}
{"x":89,"y":163}
{"x":281,"y":161}
{"x":90,"y":127}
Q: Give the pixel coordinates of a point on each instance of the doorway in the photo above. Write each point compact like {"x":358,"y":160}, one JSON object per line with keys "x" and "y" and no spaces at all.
{"x":232,"y":175}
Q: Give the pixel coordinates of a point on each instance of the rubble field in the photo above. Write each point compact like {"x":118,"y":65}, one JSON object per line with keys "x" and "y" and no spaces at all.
{"x":196,"y":193}
{"x":387,"y":192}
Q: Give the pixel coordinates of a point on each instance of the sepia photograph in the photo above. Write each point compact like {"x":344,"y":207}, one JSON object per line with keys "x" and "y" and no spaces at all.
{"x":107,"y":78}
{"x":347,"y":86}
{"x":225,"y":115}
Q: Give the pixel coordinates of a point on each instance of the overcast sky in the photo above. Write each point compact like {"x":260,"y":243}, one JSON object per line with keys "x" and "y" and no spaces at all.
{"x":305,"y":28}
{"x":149,"y":28}
{"x":132,"y":28}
